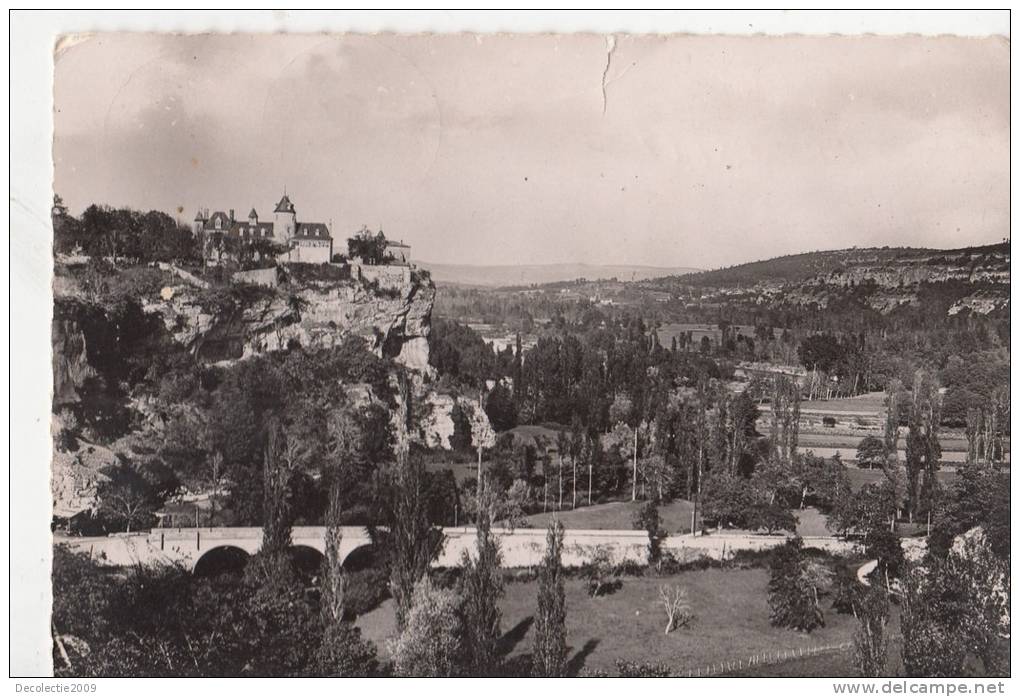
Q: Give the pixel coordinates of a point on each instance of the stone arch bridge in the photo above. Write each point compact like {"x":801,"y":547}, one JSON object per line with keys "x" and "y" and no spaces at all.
{"x":521,"y":547}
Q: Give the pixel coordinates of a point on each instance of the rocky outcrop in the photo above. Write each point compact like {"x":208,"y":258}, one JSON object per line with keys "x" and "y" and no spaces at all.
{"x":70,"y":363}
{"x":314,"y":314}
{"x":76,"y":476}
{"x":981,"y":303}
{"x":437,"y":425}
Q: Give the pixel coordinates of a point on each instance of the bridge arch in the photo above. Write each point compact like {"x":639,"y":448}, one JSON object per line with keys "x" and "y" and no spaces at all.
{"x":363,"y":556}
{"x":307,"y":560}
{"x":221,"y":559}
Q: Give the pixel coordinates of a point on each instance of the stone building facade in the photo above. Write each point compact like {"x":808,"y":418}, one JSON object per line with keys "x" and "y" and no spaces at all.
{"x":305,"y":242}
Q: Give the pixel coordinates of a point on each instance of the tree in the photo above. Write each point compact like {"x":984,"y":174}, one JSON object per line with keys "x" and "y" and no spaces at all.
{"x":343,"y":653}
{"x":413,"y":543}
{"x":932,"y":621}
{"x":980,"y":497}
{"x":344,"y":435}
{"x":270,"y":568}
{"x":923,"y":449}
{"x":677,"y":606}
{"x":870,"y":641}
{"x":481,"y":589}
{"x":871,"y":452}
{"x":369,"y":247}
{"x":621,"y":408}
{"x":869,"y":509}
{"x":647,"y":519}
{"x":334,"y":581}
{"x":884,"y":546}
{"x":793,"y":600}
{"x":126,"y":497}
{"x":549,"y":657}
{"x":597,"y":569}
{"x":499,"y":407}
{"x":460,"y":439}
{"x":785,"y":409}
{"x":429,"y":645}
{"x":726,"y":499}
{"x":772,"y":517}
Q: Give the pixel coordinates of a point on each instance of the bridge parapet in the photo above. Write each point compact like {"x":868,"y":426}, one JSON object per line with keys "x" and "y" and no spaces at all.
{"x":521,"y":547}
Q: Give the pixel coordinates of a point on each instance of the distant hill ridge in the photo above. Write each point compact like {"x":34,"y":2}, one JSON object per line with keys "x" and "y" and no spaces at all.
{"x":536,"y":274}
{"x":798,"y":268}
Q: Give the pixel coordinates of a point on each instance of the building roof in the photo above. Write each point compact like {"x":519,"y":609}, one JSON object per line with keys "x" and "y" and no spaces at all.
{"x":284,"y":206}
{"x":253,"y":214}
{"x":246,"y":229}
{"x":391,"y":243}
{"x":200,"y":216}
{"x":311,"y":231}
{"x":210,"y":224}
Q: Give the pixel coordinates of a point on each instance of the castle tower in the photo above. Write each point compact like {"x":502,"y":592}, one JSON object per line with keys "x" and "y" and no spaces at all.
{"x":199,"y":224}
{"x":284,"y":220}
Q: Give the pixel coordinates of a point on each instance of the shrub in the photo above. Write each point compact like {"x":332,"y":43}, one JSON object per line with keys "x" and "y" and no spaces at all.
{"x":884,"y":545}
{"x":430,"y":644}
{"x":870,"y":641}
{"x":344,"y":653}
{"x":630,"y":669}
{"x":647,"y":519}
{"x":772,"y":517}
{"x":793,"y":600}
{"x":598,"y":570}
{"x":848,"y":591}
{"x":366,"y":590}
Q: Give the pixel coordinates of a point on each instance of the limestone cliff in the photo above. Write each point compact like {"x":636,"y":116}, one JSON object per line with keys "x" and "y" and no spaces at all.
{"x":390,"y":307}
{"x":258,"y":312}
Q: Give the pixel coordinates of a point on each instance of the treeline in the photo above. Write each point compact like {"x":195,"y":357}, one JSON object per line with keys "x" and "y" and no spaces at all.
{"x":123,"y":233}
{"x":276,"y":616}
{"x":579,"y":364}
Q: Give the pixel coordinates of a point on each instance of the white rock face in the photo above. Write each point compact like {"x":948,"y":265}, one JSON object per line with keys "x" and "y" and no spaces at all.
{"x":75,"y":477}
{"x":437,"y":426}
{"x":395,"y":321}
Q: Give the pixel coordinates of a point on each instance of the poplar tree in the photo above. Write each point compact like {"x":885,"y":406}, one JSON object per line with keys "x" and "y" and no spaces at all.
{"x":413,"y":542}
{"x":549,"y":659}
{"x":481,"y":589}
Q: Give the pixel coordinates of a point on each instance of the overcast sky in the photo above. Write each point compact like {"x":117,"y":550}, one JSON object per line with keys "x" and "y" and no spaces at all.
{"x":499,"y":150}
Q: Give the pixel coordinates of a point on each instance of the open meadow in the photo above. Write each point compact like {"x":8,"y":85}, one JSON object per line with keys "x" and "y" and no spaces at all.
{"x":731,"y":622}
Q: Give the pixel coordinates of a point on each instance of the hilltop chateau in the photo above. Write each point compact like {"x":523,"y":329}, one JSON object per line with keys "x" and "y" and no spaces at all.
{"x":305,"y":242}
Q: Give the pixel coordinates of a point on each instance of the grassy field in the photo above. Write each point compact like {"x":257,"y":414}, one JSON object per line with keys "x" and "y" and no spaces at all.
{"x":837,"y":663}
{"x":731,"y":622}
{"x":840,"y":664}
{"x":860,"y":477}
{"x":870,"y":402}
{"x":617,"y":515}
{"x":675,"y":515}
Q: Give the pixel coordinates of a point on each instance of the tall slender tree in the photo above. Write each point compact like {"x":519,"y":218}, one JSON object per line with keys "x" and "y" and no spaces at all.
{"x":481,"y":589}
{"x":413,"y":542}
{"x":923,"y":449}
{"x":549,"y":658}
{"x":271,"y":566}
{"x":785,"y":420}
{"x":343,"y":438}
